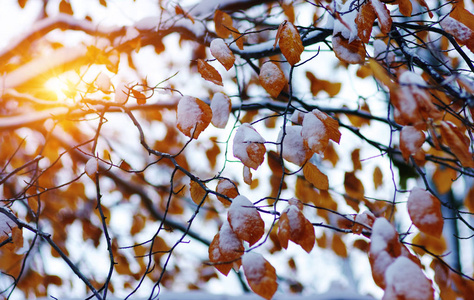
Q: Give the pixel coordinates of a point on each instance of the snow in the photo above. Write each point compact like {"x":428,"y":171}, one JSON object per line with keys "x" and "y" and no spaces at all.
{"x":188,"y":113}
{"x":411,"y":78}
{"x":240,"y":209}
{"x":219,"y":48}
{"x":220,"y":106}
{"x":405,"y":280}
{"x":347,"y":28}
{"x":91,"y":167}
{"x":344,"y":53}
{"x":382,"y":233}
{"x":313,"y":132}
{"x":381,"y":11}
{"x":121,"y":93}
{"x":412,"y":138}
{"x":228,"y":240}
{"x":254,"y":265}
{"x":420,"y":207}
{"x":293,"y":146}
{"x":245,"y":134}
{"x":6,"y":225}
{"x":103,"y":82}
{"x":457,"y":29}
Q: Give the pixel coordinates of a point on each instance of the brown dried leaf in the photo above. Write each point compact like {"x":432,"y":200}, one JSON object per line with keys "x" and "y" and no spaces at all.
{"x":225,"y":250}
{"x":365,"y":20}
{"x":208,"y":72}
{"x":378,"y":177}
{"x":193,"y":116}
{"x":228,"y":188}
{"x":315,"y":176}
{"x":458,"y":143}
{"x":411,"y":140}
{"x":222,"y":53}
{"x":351,"y":53}
{"x":223,"y":23}
{"x":245,"y":220}
{"x":197,"y":192}
{"x":260,"y":274}
{"x":290,"y":43}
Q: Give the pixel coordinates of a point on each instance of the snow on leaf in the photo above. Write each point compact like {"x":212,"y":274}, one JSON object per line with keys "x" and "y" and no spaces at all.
{"x":122,"y":93}
{"x":290,"y":43}
{"x":245,"y":220}
{"x":458,"y":143}
{"x":293,"y":226}
{"x":227,"y":188}
{"x":314,"y":133}
{"x":6,"y":225}
{"x":293,"y":147}
{"x":425,"y":212}
{"x":208,"y":72}
{"x":260,"y":275}
{"x":222,"y":53}
{"x":103,"y":82}
{"x":351,"y":53}
{"x":247,"y":175}
{"x":248,"y":146}
{"x":193,"y":116}
{"x":365,"y":20}
{"x":405,"y":280}
{"x":411,"y":140}
{"x":463,"y":34}
{"x":226,"y":249}
{"x":92,"y":166}
{"x":383,"y":14}
{"x":315,"y":176}
{"x":384,"y":248}
{"x":221,"y":107}
{"x":272,"y":78}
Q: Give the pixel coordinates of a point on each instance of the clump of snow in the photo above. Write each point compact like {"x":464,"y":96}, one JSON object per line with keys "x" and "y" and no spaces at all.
{"x":103,"y":82}
{"x":222,"y":52}
{"x":228,"y":240}
{"x":313,"y":132}
{"x":420,"y":206}
{"x":382,"y":233}
{"x":121,"y":93}
{"x":297,"y":117}
{"x":294,"y":149}
{"x":246,"y":140}
{"x":457,"y":29}
{"x":412,"y":138}
{"x":411,"y":78}
{"x":6,"y":225}
{"x":254,"y":265}
{"x":220,"y":106}
{"x":405,"y":280}
{"x":240,"y":208}
{"x":188,"y":113}
{"x":343,"y":53}
{"x":92,"y":166}
{"x":347,"y":28}
{"x":367,"y":218}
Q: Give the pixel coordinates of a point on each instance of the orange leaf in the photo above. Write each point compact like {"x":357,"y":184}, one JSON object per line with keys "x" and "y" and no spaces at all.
{"x":247,"y":175}
{"x":223,"y":23}
{"x":443,"y":177}
{"x":354,"y":187}
{"x":272,"y":78}
{"x":355,"y":156}
{"x":469,"y":200}
{"x":351,"y":53}
{"x":208,"y":72}
{"x":365,"y":20}
{"x":260,"y":274}
{"x":197,"y":192}
{"x":227,"y":188}
{"x":225,"y":250}
{"x":383,"y":14}
{"x":293,"y":226}
{"x":222,"y":53}
{"x":318,"y":85}
{"x":245,"y":220}
{"x":381,"y":74}
{"x":411,"y":140}
{"x":405,"y":7}
{"x":290,"y":43}
{"x":425,"y":212}
{"x":193,"y":116}
{"x":315,"y":176}
{"x":463,"y":34}
{"x":458,"y":143}
{"x":338,"y":246}
{"x":248,"y":146}
{"x":139,"y":96}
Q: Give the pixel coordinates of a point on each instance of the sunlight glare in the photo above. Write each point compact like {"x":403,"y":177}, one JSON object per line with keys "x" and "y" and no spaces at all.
{"x":59,"y":87}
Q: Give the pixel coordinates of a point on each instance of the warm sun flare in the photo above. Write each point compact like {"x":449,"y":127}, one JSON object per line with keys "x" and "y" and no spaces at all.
{"x":58,"y":86}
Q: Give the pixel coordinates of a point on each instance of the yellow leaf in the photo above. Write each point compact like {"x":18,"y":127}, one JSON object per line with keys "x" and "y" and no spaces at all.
{"x":272,"y":78}
{"x":208,"y":72}
{"x":290,"y":43}
{"x":315,"y":176}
